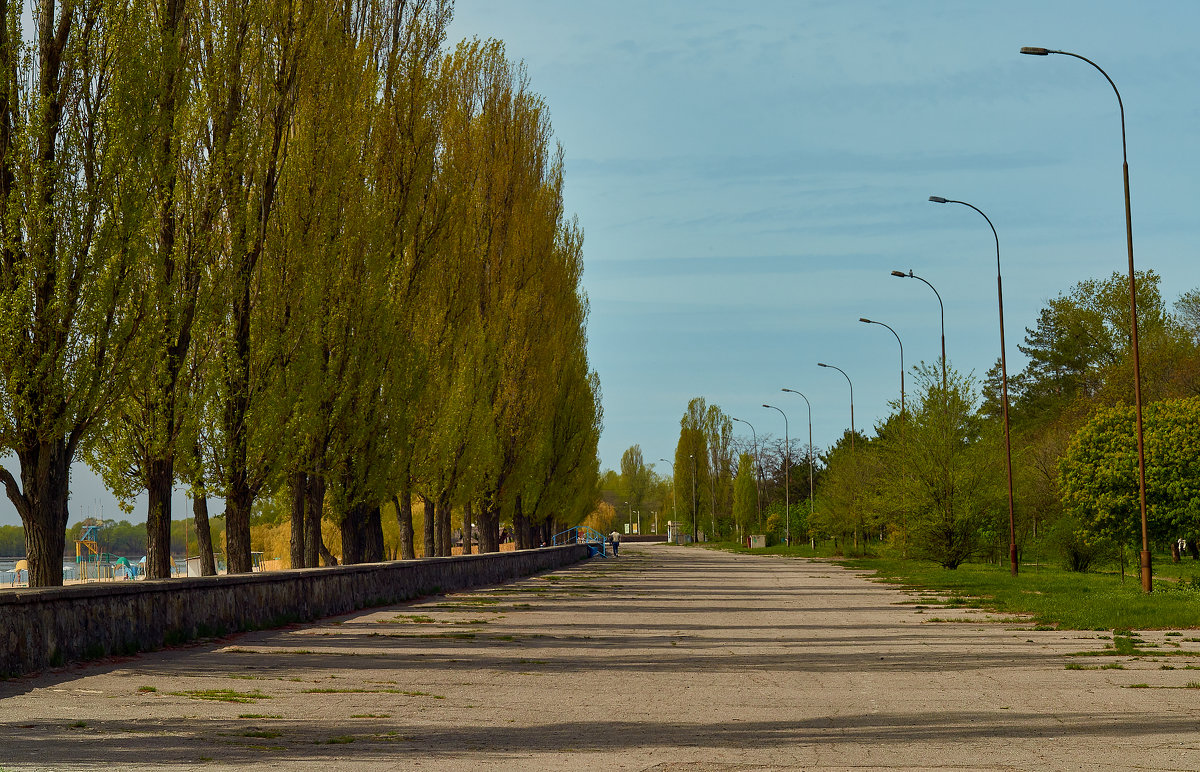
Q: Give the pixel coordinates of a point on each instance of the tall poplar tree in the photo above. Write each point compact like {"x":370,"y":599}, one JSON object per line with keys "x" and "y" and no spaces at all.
{"x":67,"y":249}
{"x":253,"y":51}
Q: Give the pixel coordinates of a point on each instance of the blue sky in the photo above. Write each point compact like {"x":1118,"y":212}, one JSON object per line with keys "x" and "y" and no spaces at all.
{"x":748,"y":174}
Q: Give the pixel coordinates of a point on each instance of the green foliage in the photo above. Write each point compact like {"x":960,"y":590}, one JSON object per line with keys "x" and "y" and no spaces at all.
{"x":844,"y":495}
{"x":940,"y":470}
{"x":745,"y":494}
{"x":1099,"y":477}
{"x":636,"y":476}
{"x":691,"y":471}
{"x":12,"y":541}
{"x":307,"y":254}
{"x":1079,"y":349}
{"x":1077,"y":550}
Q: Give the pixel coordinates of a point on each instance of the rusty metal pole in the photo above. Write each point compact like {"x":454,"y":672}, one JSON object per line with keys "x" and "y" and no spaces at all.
{"x":1012,"y":522}
{"x":810,"y":458}
{"x":1147,"y":573}
{"x":941,"y":307}
{"x":787,"y":479}
{"x":881,"y":324}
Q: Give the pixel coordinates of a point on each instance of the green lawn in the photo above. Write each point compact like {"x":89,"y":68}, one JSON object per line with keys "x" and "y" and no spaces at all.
{"x":1053,"y":596}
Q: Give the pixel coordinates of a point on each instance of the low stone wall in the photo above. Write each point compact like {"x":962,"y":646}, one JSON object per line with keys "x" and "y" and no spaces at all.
{"x":41,"y":628}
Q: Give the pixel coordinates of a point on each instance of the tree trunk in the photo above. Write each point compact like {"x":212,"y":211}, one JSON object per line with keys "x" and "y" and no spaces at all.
{"x":520,"y":526}
{"x":314,"y":509}
{"x":42,"y":504}
{"x":404,"y":520}
{"x":158,"y":519}
{"x":373,"y":535}
{"x":298,"y":488}
{"x":208,"y":563}
{"x":1174,"y":552}
{"x":439,"y":540}
{"x":489,"y":528}
{"x":352,"y":531}
{"x":237,"y":531}
{"x":427,"y":522}
{"x":466,"y":541}
{"x":327,"y":557}
{"x":1193,"y":549}
{"x":445,"y":536}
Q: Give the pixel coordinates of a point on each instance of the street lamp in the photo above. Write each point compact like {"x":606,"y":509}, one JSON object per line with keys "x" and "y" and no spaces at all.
{"x":1012,"y":527}
{"x":864,"y":320}
{"x":757,"y":467}
{"x":1147,"y":583}
{"x":674,"y":509}
{"x":787,"y":482}
{"x":911,"y":275}
{"x":843,"y":372}
{"x":810,"y":458}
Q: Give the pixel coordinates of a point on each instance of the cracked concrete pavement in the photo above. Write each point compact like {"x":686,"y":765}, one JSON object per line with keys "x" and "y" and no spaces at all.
{"x":668,"y":658}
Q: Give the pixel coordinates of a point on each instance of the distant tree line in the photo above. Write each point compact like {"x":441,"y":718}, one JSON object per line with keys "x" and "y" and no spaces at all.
{"x":930,"y":481}
{"x":259,"y":248}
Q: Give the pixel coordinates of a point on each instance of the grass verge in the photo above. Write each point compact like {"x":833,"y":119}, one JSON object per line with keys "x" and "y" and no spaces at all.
{"x":1050,"y":596}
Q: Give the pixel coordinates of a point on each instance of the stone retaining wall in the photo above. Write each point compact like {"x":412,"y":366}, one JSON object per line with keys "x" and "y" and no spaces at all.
{"x":48,"y":627}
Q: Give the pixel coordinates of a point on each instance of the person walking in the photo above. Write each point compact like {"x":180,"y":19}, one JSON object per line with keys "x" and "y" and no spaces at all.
{"x":615,"y":538}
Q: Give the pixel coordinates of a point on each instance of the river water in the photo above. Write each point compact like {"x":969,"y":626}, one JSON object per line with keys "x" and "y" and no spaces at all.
{"x":8,"y":578}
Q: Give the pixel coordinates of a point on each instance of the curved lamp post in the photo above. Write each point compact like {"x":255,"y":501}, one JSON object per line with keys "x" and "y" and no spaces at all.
{"x":787,"y":462}
{"x":1147,"y":583}
{"x":911,"y":275}
{"x":810,"y":458}
{"x":757,"y":487}
{"x":843,"y":372}
{"x":674,"y":509}
{"x":1012,"y":528}
{"x":865,"y":320}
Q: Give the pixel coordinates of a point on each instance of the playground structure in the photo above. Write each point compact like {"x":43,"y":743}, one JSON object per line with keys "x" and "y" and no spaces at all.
{"x":92,"y":564}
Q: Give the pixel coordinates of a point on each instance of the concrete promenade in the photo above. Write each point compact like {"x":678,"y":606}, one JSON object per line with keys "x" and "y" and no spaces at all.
{"x":668,"y":658}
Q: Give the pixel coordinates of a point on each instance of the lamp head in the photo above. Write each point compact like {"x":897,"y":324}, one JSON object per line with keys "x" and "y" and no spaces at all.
{"x":1032,"y":51}
{"x":864,"y":319}
{"x":901,"y":274}
{"x":765,"y":405}
{"x":937,"y":199}
{"x":822,"y":364}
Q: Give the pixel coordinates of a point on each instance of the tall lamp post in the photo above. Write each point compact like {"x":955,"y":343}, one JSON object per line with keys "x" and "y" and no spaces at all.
{"x":843,"y":372}
{"x":1012,"y":527}
{"x":757,"y":475}
{"x":1147,"y":583}
{"x":911,"y":275}
{"x":674,"y":485}
{"x":865,"y":320}
{"x":787,"y":482}
{"x":810,"y":458}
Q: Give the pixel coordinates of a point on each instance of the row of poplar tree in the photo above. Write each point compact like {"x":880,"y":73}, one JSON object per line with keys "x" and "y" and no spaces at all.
{"x":260,"y":245}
